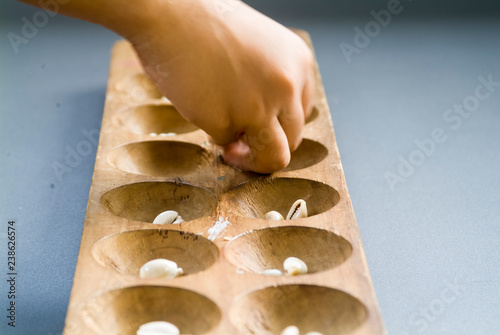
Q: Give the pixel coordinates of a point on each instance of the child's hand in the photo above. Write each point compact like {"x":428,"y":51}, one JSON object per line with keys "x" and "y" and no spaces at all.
{"x":240,"y":76}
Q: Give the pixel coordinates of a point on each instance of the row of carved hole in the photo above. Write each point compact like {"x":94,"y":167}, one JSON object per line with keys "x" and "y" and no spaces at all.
{"x":143,"y":201}
{"x":254,"y":251}
{"x":172,"y":158}
{"x":264,"y":311}
{"x":166,"y":158}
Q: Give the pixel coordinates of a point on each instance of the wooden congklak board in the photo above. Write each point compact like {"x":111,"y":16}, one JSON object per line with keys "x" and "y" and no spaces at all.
{"x":224,"y":245}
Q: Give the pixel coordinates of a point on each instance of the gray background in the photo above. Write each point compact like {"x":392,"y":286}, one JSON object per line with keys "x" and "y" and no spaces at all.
{"x":439,"y":227}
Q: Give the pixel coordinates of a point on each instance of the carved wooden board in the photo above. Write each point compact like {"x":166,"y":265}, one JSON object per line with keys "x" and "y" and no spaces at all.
{"x":224,"y":244}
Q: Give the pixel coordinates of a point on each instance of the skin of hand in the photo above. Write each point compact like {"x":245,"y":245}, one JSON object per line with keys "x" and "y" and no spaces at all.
{"x":243,"y":78}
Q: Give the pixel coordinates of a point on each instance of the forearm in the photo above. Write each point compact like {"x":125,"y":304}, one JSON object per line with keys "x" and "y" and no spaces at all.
{"x":123,"y":17}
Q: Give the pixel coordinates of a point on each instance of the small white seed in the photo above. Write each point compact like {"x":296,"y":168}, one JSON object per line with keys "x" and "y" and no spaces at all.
{"x":166,"y":217}
{"x":168,"y":134}
{"x":298,"y":210}
{"x":158,"y":328}
{"x":160,"y":268}
{"x":273,"y":215}
{"x":272,"y":272}
{"x":294,"y":266}
{"x":153,"y":134}
{"x":290,"y":330}
{"x":314,"y":333}
{"x":178,"y":220}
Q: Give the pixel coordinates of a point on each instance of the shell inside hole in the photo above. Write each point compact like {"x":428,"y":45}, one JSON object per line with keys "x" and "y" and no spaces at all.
{"x":273,"y":215}
{"x":298,"y":210}
{"x":294,"y":266}
{"x":290,"y":330}
{"x":293,"y":330}
{"x":160,"y":268}
{"x":158,"y":328}
{"x":253,"y":199}
{"x":168,"y":217}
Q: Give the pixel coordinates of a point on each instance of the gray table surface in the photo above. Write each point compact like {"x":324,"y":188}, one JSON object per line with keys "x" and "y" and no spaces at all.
{"x":430,"y":226}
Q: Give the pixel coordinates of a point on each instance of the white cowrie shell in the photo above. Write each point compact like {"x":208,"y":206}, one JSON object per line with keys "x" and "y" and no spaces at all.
{"x":158,"y":328}
{"x":160,"y":268}
{"x":178,"y":220}
{"x":273,"y":215}
{"x":294,"y":266}
{"x":298,"y":210}
{"x":166,"y":217}
{"x":290,"y":330}
{"x":272,"y":272}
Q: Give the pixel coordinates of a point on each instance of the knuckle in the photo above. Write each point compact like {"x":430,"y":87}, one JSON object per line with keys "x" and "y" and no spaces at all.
{"x":286,"y":84}
{"x":309,"y":57}
{"x":270,"y":164}
{"x":280,"y":163}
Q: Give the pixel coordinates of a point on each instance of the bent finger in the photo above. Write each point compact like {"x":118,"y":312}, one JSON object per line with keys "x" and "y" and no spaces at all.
{"x":308,"y":93}
{"x":291,"y":120}
{"x":262,"y":149}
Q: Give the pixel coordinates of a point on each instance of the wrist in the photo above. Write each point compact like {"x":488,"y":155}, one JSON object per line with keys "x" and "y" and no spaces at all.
{"x":144,"y":20}
{"x":130,"y":19}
